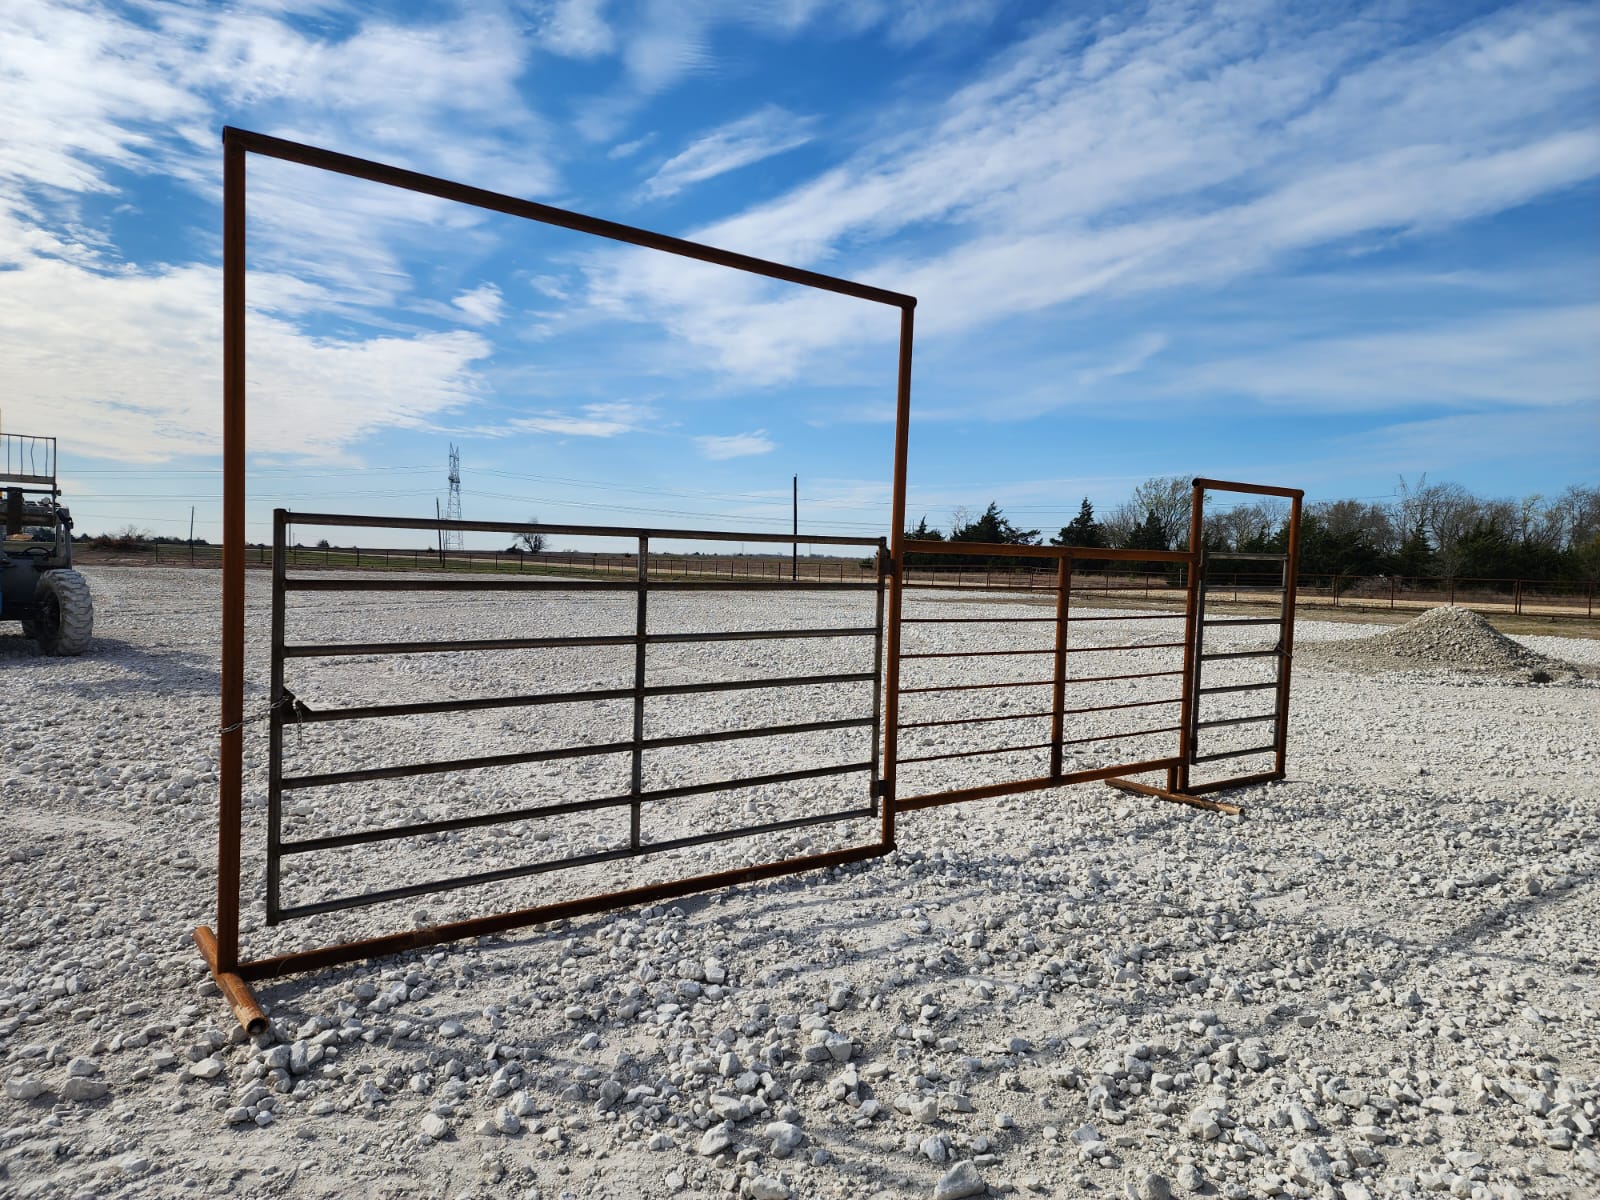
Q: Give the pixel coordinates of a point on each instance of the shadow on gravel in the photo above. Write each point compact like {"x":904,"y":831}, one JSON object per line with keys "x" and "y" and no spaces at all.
{"x":150,"y":672}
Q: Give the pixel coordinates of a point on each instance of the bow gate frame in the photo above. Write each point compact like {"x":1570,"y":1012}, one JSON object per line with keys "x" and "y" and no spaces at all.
{"x":221,"y":947}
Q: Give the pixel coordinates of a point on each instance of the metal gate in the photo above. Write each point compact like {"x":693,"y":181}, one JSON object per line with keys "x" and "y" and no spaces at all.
{"x":1161,"y":695}
{"x":1061,"y":727}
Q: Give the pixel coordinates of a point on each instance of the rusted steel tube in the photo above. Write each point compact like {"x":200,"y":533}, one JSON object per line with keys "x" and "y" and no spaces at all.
{"x":1144,"y":789}
{"x":1010,"y":788}
{"x":502,"y":874}
{"x":234,"y":989}
{"x":1254,"y":489}
{"x":897,"y":576}
{"x":412,"y":939}
{"x":1236,"y":782}
{"x":973,"y":687}
{"x":1291,"y":572}
{"x":1058,"y":688}
{"x":230,"y":757}
{"x":1178,"y":778}
{"x":413,"y":181}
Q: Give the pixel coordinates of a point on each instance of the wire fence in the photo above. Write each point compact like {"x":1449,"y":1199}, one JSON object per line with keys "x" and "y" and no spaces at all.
{"x":1144,"y":582}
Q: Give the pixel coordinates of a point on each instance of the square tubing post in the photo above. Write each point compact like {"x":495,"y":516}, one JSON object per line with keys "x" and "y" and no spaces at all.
{"x":280,"y":537}
{"x":640,"y":650}
{"x":221,"y":949}
{"x":877,"y":676}
{"x":1058,"y":687}
{"x":1178,"y":777}
{"x":1291,"y":575}
{"x":897,"y":533}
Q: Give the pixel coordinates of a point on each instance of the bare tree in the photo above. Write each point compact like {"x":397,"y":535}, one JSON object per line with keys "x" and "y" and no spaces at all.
{"x":1242,"y":524}
{"x":1119,"y":524}
{"x":531,"y":541}
{"x":1165,"y":500}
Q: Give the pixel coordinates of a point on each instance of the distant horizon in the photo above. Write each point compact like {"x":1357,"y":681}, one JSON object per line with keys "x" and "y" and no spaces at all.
{"x":1327,"y":249}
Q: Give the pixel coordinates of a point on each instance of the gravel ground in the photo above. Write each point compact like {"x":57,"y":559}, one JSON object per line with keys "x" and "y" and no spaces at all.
{"x":1380,"y":981}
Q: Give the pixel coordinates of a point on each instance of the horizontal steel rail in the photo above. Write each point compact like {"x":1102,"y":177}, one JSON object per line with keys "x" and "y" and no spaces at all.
{"x":351,"y":649}
{"x":1171,"y":616}
{"x":1116,"y":678}
{"x":523,"y":870}
{"x":974,"y":687}
{"x":1067,"y":712}
{"x":545,"y":214}
{"x":1052,"y":553}
{"x":560,"y":910}
{"x":1221,"y":722}
{"x":302,"y":583}
{"x":977,"y":621}
{"x":1012,"y":787}
{"x":434,"y":524}
{"x":1219,"y":755}
{"x":308,"y":716}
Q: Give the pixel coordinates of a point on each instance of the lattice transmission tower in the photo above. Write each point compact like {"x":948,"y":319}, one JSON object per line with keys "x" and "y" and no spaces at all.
{"x":452,"y":511}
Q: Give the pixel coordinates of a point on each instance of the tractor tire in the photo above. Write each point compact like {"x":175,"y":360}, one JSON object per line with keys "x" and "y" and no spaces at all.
{"x":65,"y":614}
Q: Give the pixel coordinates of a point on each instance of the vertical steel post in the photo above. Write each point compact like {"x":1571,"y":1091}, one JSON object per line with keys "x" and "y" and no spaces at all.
{"x":280,"y":523}
{"x":875,"y":786}
{"x":1188,"y":702}
{"x":230,"y":760}
{"x":897,"y":532}
{"x":1058,"y":684}
{"x":641,"y":628}
{"x":1291,"y":573}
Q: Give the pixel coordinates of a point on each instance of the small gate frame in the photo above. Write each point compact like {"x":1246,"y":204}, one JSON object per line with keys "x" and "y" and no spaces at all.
{"x":221,"y":947}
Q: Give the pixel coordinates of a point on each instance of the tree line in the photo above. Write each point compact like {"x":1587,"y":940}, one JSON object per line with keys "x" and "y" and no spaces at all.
{"x":1426,"y":530}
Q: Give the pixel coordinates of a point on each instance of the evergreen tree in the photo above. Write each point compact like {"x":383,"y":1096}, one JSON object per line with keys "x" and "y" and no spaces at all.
{"x":993,"y":527}
{"x":1147,"y":535}
{"x":1082,"y":530}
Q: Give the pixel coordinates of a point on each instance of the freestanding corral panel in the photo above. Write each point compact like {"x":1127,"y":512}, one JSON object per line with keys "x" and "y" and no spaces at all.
{"x":1180,"y":723}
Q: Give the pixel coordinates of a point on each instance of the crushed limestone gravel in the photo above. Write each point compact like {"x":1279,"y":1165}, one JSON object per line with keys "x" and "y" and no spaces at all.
{"x":1382,"y":981}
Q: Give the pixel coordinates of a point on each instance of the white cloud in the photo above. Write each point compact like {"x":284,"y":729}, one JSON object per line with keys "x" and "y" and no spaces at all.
{"x":578,"y":29}
{"x":629,"y":149}
{"x":764,"y":133}
{"x":593,"y":420}
{"x":142,"y":382}
{"x":1181,"y":149}
{"x":736,"y":445}
{"x":1129,"y":358}
{"x":1540,"y":358}
{"x":482,"y":305}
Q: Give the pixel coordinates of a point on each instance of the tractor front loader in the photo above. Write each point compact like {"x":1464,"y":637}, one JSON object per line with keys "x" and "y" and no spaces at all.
{"x":37,"y":583}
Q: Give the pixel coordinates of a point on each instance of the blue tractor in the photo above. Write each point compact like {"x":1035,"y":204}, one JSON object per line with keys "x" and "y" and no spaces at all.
{"x":37,"y":583}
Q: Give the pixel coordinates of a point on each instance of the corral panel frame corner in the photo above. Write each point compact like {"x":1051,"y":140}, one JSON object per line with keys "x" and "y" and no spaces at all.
{"x":221,"y":947}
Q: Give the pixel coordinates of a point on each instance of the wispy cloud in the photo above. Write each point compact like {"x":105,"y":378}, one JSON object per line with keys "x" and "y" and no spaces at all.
{"x":577,"y":29}
{"x":1543,"y":357}
{"x":482,"y":305}
{"x":140,"y":384}
{"x":764,"y":133}
{"x":592,"y":420}
{"x":1177,"y":150}
{"x":735,"y":445}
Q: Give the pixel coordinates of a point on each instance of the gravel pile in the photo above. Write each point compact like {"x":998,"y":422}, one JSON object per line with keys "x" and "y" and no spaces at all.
{"x":1446,"y":639}
{"x":1382,"y":982}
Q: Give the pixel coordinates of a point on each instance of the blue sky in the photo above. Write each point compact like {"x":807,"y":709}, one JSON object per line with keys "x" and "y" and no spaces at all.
{"x":1323,"y":245}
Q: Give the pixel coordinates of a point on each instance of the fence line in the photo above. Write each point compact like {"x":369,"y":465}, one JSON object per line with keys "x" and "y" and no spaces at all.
{"x":1512,"y":597}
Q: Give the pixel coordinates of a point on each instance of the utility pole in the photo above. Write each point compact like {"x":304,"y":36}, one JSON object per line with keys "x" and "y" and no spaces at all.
{"x":453,"y":539}
{"x":191,"y":535}
{"x":794,"y":561}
